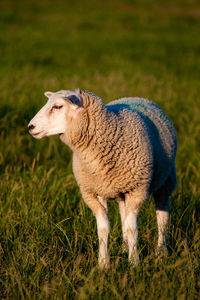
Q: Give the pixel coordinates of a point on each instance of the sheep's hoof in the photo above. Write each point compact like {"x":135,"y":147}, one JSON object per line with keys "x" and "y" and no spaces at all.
{"x":124,"y":247}
{"x":161,"y":252}
{"x":134,"y":260}
{"x":104,"y":263}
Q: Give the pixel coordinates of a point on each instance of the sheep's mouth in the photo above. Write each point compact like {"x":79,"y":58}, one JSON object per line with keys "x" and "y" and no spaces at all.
{"x":60,"y":133}
{"x":36,"y":133}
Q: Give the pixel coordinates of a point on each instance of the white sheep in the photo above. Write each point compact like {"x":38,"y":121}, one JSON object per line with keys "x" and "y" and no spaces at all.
{"x":124,"y":150}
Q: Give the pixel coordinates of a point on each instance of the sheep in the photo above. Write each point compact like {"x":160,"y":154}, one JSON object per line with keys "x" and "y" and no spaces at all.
{"x":124,"y":150}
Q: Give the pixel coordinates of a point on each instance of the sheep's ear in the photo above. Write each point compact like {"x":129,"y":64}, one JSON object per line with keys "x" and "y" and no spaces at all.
{"x":75,"y":101}
{"x":48,"y":94}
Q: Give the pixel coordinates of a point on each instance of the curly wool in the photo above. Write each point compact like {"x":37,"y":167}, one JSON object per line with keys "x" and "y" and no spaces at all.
{"x":123,"y":146}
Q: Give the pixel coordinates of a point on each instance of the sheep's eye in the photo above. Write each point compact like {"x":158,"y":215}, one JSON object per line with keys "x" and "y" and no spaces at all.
{"x":57,"y":106}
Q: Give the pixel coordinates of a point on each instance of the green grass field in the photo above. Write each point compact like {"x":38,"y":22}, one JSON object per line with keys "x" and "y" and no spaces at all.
{"x":48,"y":239}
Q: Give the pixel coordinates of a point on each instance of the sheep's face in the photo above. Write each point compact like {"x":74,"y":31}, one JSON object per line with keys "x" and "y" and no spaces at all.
{"x":54,"y":117}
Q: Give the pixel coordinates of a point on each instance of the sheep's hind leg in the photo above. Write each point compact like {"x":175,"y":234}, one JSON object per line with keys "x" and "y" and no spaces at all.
{"x":133,"y":203}
{"x":99,"y":208}
{"x":162,"y":216}
{"x":162,"y":198}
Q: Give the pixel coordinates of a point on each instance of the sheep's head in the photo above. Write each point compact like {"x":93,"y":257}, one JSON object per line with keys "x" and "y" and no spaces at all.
{"x":56,"y":115}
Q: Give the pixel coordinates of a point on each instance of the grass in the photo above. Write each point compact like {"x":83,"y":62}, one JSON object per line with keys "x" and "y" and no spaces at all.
{"x":48,"y":239}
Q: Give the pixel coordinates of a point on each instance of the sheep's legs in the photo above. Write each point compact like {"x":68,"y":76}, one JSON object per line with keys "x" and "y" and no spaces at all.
{"x":162,"y":221}
{"x":103,"y":231}
{"x":132,"y":234}
{"x":99,"y":208}
{"x":162,"y":216}
{"x":133,"y":203}
{"x":122,"y":210}
{"x":161,"y":198}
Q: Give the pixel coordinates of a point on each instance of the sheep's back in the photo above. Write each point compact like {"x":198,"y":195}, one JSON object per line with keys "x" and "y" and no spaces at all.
{"x":161,"y":132}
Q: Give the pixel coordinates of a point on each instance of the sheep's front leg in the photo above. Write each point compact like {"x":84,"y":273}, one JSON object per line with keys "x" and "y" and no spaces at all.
{"x":132,"y":234}
{"x":133,"y":203}
{"x":122,"y":210}
{"x":103,"y":231}
{"x":99,"y":208}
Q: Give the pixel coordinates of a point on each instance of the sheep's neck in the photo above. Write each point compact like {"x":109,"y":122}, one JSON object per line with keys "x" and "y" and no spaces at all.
{"x":101,"y":136}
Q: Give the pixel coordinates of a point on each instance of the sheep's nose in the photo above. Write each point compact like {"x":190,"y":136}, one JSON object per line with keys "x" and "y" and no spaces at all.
{"x":30,"y":127}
